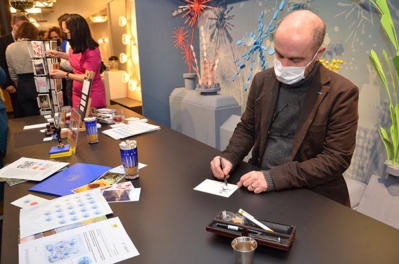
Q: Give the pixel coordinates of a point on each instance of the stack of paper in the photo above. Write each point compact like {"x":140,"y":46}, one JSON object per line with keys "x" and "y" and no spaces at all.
{"x":31,"y":169}
{"x":130,"y":130}
{"x":90,"y":237}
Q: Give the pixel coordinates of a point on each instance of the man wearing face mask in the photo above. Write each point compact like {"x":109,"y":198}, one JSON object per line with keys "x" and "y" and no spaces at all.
{"x":300,"y":119}
{"x":9,"y":86}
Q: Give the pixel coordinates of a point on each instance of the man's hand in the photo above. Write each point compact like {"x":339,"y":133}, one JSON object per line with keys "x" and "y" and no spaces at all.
{"x":11,"y":89}
{"x":217,"y":169}
{"x":254,"y":181}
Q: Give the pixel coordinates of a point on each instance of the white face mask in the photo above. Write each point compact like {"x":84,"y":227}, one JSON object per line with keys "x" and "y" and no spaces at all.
{"x":290,"y":75}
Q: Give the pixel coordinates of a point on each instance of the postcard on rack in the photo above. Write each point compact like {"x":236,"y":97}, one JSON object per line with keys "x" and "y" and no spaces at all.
{"x":41,"y":84}
{"x":102,"y":242}
{"x":43,"y":101}
{"x":39,"y":67}
{"x":31,"y":169}
{"x":36,"y":49}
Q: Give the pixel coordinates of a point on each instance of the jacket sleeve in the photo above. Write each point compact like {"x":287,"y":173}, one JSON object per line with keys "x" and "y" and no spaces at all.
{"x":244,"y":134}
{"x":3,"y":63}
{"x":2,"y":76}
{"x":328,"y":146}
{"x":11,"y":71}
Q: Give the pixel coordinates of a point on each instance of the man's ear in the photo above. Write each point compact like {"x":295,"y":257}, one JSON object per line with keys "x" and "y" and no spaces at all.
{"x":320,"y":52}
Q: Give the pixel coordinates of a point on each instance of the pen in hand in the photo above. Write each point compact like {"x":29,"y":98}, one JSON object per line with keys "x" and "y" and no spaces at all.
{"x":222,"y":167}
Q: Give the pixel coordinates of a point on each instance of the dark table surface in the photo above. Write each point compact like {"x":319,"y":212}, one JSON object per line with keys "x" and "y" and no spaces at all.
{"x":168,"y":224}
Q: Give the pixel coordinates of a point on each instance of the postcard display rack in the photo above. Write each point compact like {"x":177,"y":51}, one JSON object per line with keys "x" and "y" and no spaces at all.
{"x":50,"y":98}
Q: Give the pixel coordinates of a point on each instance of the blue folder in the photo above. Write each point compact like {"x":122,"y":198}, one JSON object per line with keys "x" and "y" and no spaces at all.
{"x":65,"y":181}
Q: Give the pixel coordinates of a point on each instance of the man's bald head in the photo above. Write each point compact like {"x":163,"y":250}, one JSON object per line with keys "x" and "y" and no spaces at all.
{"x":303,"y":25}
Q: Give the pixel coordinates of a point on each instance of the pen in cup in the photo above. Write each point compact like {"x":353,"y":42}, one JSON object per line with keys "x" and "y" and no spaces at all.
{"x":253,"y":220}
{"x":222,"y":167}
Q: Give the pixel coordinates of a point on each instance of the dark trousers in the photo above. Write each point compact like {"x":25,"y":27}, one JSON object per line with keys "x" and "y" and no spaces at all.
{"x":27,"y":95}
{"x":15,"y":105}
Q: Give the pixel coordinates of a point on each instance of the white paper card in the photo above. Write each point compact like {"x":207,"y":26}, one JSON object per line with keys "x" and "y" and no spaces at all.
{"x":28,"y":200}
{"x":120,"y":169}
{"x":31,"y":169}
{"x":62,"y":211}
{"x":35,"y":126}
{"x":216,"y":188}
{"x":101,"y":242}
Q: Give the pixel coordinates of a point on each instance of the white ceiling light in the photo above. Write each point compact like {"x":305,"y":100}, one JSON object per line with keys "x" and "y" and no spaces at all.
{"x":98,"y":19}
{"x":48,"y":3}
{"x":33,"y":10}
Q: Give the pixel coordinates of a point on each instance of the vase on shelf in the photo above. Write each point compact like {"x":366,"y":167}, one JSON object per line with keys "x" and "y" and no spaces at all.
{"x":190,"y":81}
{"x":392,"y":180}
{"x":208,"y":90}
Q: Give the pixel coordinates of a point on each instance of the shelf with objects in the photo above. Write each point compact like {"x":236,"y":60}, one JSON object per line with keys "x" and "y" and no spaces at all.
{"x":50,"y":98}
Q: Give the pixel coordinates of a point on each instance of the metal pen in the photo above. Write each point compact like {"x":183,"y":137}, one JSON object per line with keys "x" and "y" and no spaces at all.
{"x":252,"y":232}
{"x":222,"y":167}
{"x":253,"y":220}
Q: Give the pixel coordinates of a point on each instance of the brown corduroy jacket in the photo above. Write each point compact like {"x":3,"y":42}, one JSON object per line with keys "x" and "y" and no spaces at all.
{"x":325,"y":137}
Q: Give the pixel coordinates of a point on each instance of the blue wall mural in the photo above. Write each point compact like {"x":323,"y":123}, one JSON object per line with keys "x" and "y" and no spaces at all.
{"x":353,"y":29}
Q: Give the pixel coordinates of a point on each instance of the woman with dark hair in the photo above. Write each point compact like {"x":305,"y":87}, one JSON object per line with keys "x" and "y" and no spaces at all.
{"x":54,"y":33}
{"x":84,"y":56}
{"x":21,"y":69}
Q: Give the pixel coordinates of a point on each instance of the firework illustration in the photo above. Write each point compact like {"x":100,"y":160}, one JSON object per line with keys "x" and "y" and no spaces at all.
{"x":361,"y":13}
{"x":220,"y":27}
{"x":255,"y":43}
{"x":192,"y":12}
{"x":181,"y":42}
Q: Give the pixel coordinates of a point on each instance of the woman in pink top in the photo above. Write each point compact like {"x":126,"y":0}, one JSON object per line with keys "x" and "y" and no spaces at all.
{"x":83,"y":56}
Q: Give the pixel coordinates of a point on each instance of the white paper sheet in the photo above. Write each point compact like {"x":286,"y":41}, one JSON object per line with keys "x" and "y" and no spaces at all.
{"x":35,"y":126}
{"x":28,"y":200}
{"x":102,"y":242}
{"x":120,"y":169}
{"x":130,"y":130}
{"x":62,"y":211}
{"x":31,"y":169}
{"x":216,"y":188}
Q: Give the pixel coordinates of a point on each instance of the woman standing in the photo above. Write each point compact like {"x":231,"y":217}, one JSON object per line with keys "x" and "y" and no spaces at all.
{"x":84,"y":55}
{"x":21,"y":69}
{"x":3,"y":125}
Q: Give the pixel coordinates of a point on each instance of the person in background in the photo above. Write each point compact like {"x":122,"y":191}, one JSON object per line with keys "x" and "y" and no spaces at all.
{"x":3,"y":122}
{"x":65,"y":65}
{"x":54,"y":33}
{"x":21,"y":69}
{"x":42,"y":34}
{"x":84,"y":55}
{"x":8,"y":85}
{"x":300,"y":119}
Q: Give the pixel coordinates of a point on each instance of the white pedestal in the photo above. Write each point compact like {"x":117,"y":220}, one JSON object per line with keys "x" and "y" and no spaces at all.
{"x":226,"y":131}
{"x":114,"y":87}
{"x":202,"y":116}
{"x":175,"y":99}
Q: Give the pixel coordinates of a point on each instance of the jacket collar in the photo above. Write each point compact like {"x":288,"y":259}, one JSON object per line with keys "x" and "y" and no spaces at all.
{"x":315,"y":95}
{"x":317,"y":91}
